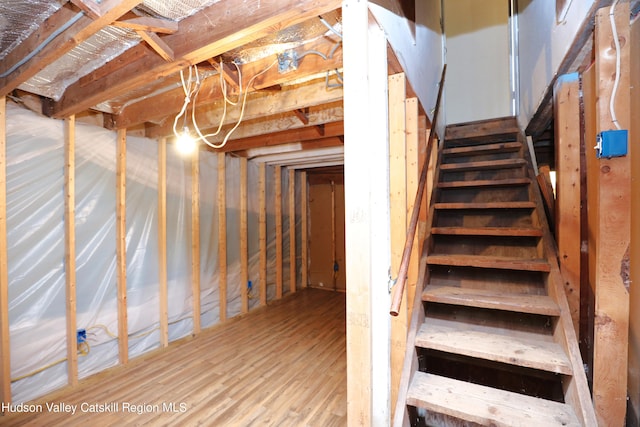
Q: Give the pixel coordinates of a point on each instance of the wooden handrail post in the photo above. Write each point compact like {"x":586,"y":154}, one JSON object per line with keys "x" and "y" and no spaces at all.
{"x":401,"y":280}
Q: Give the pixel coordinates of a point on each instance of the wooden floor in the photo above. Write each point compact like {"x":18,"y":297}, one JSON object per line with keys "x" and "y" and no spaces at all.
{"x":283,"y":365}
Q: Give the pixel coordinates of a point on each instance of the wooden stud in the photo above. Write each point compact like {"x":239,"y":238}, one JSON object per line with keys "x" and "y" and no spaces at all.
{"x":195,"y":241}
{"x":222,"y":236}
{"x":244,"y":235}
{"x":304,"y":230}
{"x":634,"y":309}
{"x":398,"y":226}
{"x":262,"y":184}
{"x":121,"y":245}
{"x":278,"y":218}
{"x":413,"y":175}
{"x":612,"y":245}
{"x":162,"y":242}
{"x":567,"y":206}
{"x":292,"y":230}
{"x":70,"y":247}
{"x":334,"y":234}
{"x":367,"y":240}
{"x":5,"y":353}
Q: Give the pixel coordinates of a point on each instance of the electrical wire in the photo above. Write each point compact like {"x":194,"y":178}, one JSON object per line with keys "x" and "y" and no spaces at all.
{"x":330,"y":27}
{"x":244,"y":102}
{"x":616,"y":42}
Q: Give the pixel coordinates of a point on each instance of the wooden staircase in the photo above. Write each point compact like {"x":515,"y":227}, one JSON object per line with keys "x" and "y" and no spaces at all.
{"x":491,"y":339}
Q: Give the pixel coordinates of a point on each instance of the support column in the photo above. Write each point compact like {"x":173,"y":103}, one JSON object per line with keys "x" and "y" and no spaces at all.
{"x":304,"y":230}
{"x":70,"y":247}
{"x":222,"y":237}
{"x":162,"y":242}
{"x":263,"y":233}
{"x":292,"y":230}
{"x":121,"y":244}
{"x":398,"y":211}
{"x":613,"y":185}
{"x":278,"y":218}
{"x":5,"y":354}
{"x":366,"y":174}
{"x":244,"y":236}
{"x":195,"y":240}
{"x":567,"y":216}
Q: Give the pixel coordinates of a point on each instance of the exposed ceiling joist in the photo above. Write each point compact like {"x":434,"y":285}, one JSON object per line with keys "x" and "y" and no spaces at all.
{"x":59,"y":34}
{"x":171,"y":101}
{"x":318,"y":116}
{"x":202,"y":36}
{"x":258,"y":105}
{"x":335,"y":129}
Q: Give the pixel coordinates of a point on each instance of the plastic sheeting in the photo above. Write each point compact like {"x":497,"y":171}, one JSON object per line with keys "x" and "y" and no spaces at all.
{"x":35,"y":212}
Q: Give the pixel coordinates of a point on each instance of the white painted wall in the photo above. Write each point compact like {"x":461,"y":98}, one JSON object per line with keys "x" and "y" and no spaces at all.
{"x":543,"y":43}
{"x":420,"y":56}
{"x":477,"y":54}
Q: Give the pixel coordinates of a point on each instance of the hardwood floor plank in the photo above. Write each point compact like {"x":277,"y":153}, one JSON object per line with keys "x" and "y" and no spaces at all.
{"x":283,"y":364}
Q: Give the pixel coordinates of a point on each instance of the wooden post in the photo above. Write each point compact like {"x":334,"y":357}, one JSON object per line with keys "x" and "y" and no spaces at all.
{"x":5,"y":353}
{"x":70,"y":247}
{"x":567,"y":205}
{"x":195,"y":240}
{"x":304,"y":230}
{"x":367,"y":240}
{"x":121,"y":244}
{"x":162,"y":242}
{"x":262,"y":184}
{"x":413,"y":175}
{"x":398,"y":213}
{"x":634,"y":309}
{"x":612,"y":245}
{"x":278,"y":218}
{"x":292,"y":230}
{"x":222,"y":236}
{"x":244,"y":248}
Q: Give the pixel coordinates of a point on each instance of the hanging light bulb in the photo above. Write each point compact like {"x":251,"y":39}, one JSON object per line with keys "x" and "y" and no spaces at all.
{"x":185,"y":144}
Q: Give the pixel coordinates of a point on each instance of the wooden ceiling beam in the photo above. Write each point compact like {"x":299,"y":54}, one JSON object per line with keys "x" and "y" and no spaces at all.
{"x":32,"y":55}
{"x":157,"y":44}
{"x":304,"y":145}
{"x":168,"y":103}
{"x":333,"y":130}
{"x":145,"y":23}
{"x":318,"y":116}
{"x":202,"y":36}
{"x":257,"y":105}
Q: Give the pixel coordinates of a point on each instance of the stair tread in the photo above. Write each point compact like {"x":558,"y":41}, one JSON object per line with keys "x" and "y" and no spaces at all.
{"x":485,"y":183}
{"x":486,"y":148}
{"x":487,"y":298}
{"x":485,"y":405}
{"x":485,"y":261}
{"x":485,"y":164}
{"x":491,"y":343}
{"x":489,"y":231}
{"x":485,"y":205}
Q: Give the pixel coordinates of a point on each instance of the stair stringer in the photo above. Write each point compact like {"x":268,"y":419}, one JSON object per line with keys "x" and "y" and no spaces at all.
{"x":576,"y":388}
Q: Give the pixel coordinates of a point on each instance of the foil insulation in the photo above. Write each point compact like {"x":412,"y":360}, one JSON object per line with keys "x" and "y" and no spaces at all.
{"x":99,"y":49}
{"x":20,"y":18}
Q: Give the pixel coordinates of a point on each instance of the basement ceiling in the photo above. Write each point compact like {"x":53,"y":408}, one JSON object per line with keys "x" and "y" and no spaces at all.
{"x":249,"y":74}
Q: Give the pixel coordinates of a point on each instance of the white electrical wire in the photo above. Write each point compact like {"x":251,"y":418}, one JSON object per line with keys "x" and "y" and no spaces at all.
{"x":244,"y":102}
{"x":614,"y":91}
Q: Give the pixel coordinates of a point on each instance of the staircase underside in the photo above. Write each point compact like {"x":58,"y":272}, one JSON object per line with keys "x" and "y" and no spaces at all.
{"x":491,"y":340}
